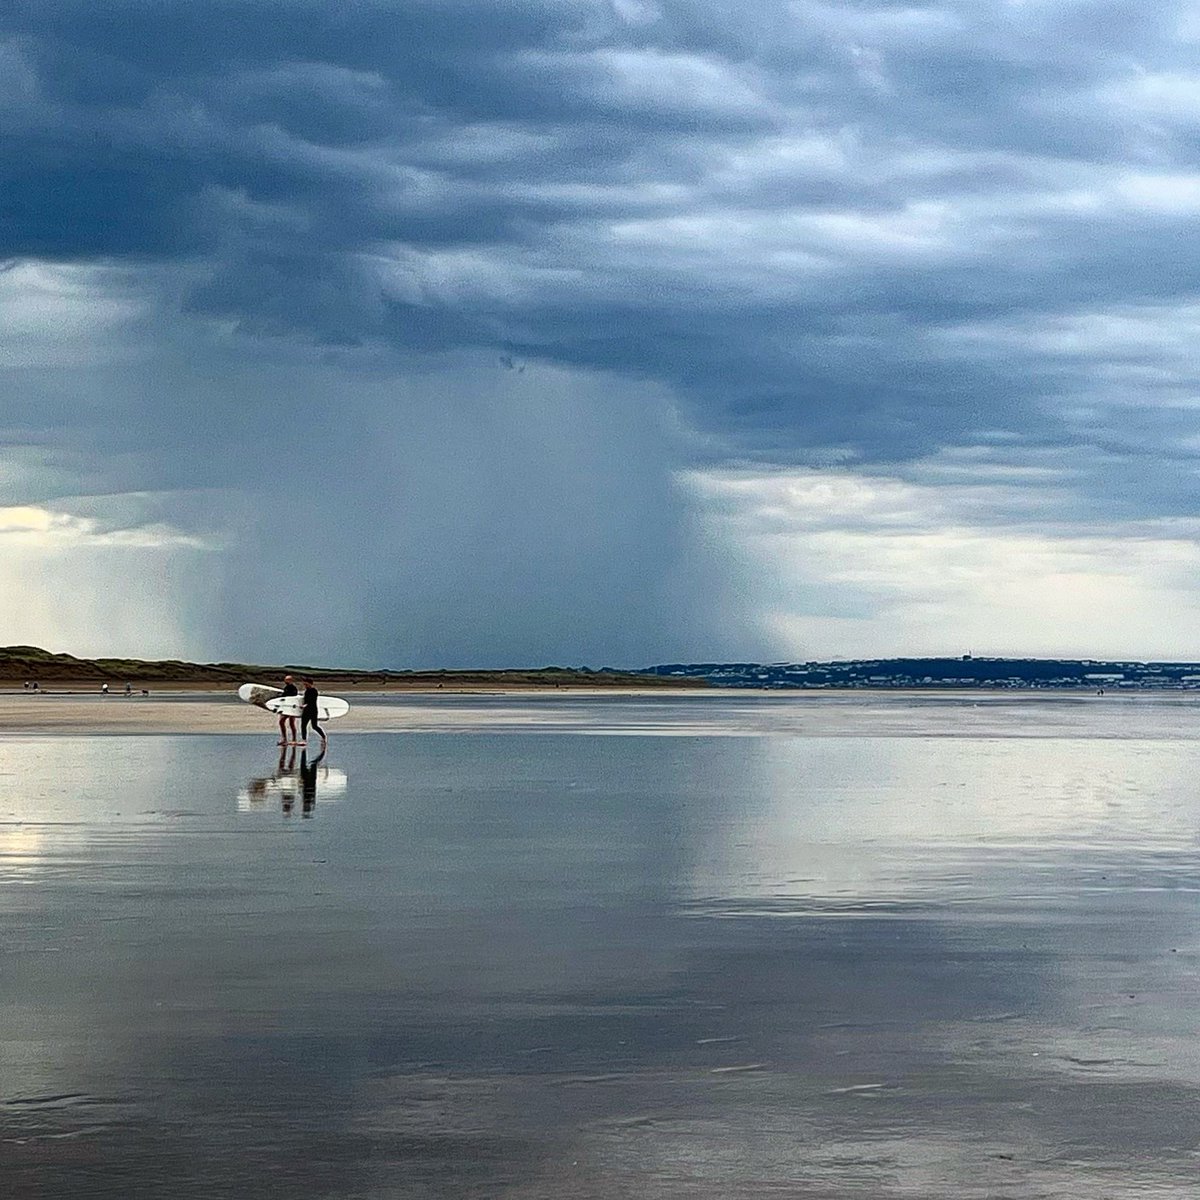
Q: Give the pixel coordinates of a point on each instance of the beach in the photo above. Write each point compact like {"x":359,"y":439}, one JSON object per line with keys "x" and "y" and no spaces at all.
{"x":712,"y":711}
{"x":205,"y":711}
{"x":601,"y":946}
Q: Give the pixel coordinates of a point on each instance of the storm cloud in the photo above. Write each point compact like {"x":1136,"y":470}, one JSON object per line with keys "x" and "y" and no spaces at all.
{"x":489,"y":332}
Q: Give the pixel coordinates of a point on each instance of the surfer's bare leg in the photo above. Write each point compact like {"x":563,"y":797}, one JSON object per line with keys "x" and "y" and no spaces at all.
{"x":282,"y":732}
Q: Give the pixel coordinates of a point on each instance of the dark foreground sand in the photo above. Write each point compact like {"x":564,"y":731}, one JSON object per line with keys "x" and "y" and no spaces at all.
{"x":949,"y":955}
{"x":528,"y":968}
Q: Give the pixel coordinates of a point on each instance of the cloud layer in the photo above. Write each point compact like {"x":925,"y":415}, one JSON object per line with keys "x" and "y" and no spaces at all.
{"x":497,"y":278}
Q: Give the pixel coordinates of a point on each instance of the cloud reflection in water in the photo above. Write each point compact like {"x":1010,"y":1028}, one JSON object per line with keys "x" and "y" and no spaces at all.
{"x":547,"y":965}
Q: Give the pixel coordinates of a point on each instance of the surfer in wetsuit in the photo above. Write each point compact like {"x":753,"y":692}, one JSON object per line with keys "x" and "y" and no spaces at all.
{"x":289,"y":689}
{"x":308,"y":715}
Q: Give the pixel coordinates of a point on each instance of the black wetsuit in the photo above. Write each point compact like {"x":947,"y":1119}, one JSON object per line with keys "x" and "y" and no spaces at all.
{"x":290,"y":689}
{"x":308,"y":714}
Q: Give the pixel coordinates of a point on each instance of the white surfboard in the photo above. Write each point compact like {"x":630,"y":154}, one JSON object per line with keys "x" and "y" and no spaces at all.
{"x":329,"y":708}
{"x":258,"y":693}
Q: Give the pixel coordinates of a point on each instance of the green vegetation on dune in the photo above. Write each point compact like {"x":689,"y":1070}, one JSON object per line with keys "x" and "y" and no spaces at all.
{"x":20,"y":664}
{"x":32,"y":662}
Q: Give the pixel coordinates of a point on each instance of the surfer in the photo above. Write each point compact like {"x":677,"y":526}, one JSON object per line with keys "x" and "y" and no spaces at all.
{"x":308,"y":714}
{"x":289,"y":689}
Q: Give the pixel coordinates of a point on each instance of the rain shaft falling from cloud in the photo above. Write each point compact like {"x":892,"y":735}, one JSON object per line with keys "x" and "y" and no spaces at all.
{"x":417,"y":314}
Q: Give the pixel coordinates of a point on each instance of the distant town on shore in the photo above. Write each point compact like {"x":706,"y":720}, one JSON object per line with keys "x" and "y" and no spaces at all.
{"x":965,"y":671}
{"x":22,"y":664}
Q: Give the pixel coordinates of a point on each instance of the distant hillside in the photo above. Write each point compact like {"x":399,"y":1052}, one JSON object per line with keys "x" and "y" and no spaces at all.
{"x":963,"y":672}
{"x":23,"y":664}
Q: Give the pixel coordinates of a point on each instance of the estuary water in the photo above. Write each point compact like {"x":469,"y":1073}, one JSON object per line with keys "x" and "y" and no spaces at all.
{"x":938,"y":956}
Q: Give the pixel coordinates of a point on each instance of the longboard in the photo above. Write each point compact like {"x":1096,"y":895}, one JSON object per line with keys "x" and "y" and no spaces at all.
{"x":258,"y":693}
{"x":329,"y":708}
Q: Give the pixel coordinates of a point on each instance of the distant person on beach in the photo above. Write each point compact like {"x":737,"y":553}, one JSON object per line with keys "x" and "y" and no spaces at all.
{"x":308,"y":714}
{"x":287,"y":724}
{"x":129,"y":689}
{"x":104,"y":689}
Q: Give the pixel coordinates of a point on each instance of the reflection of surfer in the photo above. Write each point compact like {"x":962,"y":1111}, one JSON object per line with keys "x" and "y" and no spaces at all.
{"x":308,"y":714}
{"x":289,"y":782}
{"x":308,"y":782}
{"x":282,"y":783}
{"x":259,"y":789}
{"x":289,"y":689}
{"x":286,"y":776}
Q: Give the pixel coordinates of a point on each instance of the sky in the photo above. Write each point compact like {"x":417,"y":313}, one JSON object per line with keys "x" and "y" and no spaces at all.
{"x":606,"y":332}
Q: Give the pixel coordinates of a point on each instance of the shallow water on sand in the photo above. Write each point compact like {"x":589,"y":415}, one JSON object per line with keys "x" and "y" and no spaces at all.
{"x":539,"y":965}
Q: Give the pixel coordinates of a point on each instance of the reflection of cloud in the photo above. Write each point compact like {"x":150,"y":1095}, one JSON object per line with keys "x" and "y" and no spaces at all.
{"x":21,"y":849}
{"x":884,"y":826}
{"x":501,"y":985}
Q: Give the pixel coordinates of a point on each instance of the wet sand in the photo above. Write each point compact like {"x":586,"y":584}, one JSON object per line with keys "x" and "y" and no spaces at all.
{"x":881,"y":950}
{"x":714,"y":713}
{"x":198,"y":711}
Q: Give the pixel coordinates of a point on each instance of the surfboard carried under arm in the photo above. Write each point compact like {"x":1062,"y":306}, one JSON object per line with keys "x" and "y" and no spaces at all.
{"x":329,"y":708}
{"x":259,"y":694}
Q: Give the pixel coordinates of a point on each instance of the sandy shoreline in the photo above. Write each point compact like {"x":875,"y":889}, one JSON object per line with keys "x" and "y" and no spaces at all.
{"x":218,"y":712}
{"x":732,"y":712}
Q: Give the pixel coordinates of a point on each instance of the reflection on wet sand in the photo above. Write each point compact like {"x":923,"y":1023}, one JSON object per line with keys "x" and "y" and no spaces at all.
{"x":291,"y":779}
{"x":535,"y":967}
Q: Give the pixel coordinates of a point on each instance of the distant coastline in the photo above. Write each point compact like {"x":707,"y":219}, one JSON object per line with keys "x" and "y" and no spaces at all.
{"x":943,"y":674}
{"x":21,"y":665}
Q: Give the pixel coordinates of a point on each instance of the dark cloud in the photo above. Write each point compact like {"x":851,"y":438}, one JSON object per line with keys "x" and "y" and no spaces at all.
{"x":820,"y":229}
